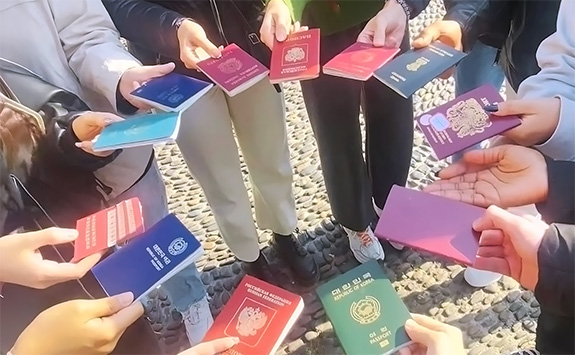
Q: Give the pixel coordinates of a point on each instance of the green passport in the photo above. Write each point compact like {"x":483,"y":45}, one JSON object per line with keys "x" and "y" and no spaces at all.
{"x":367,"y":314}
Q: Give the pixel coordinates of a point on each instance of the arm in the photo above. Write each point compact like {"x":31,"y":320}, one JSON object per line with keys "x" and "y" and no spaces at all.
{"x":92,"y":45}
{"x":555,"y":288}
{"x":147,"y":24}
{"x":559,"y":206}
{"x":465,"y":12}
{"x":556,"y":57}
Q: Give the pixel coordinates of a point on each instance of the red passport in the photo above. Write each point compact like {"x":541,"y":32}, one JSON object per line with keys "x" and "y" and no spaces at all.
{"x":259,"y":314}
{"x":102,"y":230}
{"x":462,"y":122}
{"x":296,"y":58}
{"x":431,"y":223}
{"x":235,"y":71}
{"x":359,"y":61}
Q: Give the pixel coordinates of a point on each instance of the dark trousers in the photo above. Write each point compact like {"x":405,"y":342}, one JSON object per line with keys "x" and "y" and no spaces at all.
{"x":333,"y":106}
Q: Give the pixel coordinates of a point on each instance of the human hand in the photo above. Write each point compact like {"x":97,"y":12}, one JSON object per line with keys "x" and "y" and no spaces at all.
{"x":211,"y":347}
{"x":509,"y":245}
{"x":22,"y":263}
{"x":505,"y":176}
{"x":195,"y":45}
{"x":134,"y":77}
{"x":432,"y":337}
{"x":446,"y":31}
{"x":277,"y":24}
{"x":88,"y":126}
{"x":79,"y":327}
{"x":539,"y":119}
{"x":387,"y":28}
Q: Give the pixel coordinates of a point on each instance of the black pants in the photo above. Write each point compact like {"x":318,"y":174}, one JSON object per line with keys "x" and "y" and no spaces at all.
{"x":333,"y":106}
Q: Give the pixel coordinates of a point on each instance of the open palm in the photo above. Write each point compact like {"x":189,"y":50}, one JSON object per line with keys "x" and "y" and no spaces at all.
{"x":505,"y":176}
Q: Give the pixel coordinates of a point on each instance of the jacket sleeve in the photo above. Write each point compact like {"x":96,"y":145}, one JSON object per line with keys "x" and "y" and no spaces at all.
{"x":465,"y":12}
{"x":416,"y":7}
{"x":559,"y":207}
{"x":556,"y":256}
{"x":147,"y":24}
{"x":556,"y":57}
{"x":92,"y":45}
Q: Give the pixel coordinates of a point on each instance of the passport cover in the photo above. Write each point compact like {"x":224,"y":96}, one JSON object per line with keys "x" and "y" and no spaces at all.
{"x":104,"y":229}
{"x":415,"y":68}
{"x":359,"y":61}
{"x":431,"y":223}
{"x":138,"y":131}
{"x":149,"y":260}
{"x":296,"y":58}
{"x":367,"y":314}
{"x":173,"y":92}
{"x":234,"y":71}
{"x":259,"y":314}
{"x":463,"y":122}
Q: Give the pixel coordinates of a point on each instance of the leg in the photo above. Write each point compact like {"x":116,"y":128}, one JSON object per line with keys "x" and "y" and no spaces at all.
{"x":476,"y":69}
{"x":259,"y":122}
{"x":209,"y":148}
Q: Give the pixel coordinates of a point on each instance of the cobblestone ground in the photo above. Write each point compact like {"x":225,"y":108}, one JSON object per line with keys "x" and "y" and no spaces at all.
{"x":495,"y":320}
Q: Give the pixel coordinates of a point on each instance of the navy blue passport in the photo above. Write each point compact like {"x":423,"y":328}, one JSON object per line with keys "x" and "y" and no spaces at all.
{"x":173,"y":92}
{"x":149,"y":259}
{"x":413,"y":69}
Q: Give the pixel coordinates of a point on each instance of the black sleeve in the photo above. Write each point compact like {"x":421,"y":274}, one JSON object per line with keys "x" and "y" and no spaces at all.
{"x":465,"y":12}
{"x":559,"y":207}
{"x":556,"y":259}
{"x":416,"y":7}
{"x":60,"y":143}
{"x":147,"y":24}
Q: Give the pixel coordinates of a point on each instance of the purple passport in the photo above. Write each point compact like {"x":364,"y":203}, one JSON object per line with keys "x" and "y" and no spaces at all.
{"x":431,"y":223}
{"x":462,"y":123}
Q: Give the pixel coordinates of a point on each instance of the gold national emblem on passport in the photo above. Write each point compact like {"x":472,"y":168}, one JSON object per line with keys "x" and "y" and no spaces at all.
{"x":250,"y":321}
{"x":468,"y":118}
{"x":417,"y":64}
{"x":230,"y":66}
{"x":365,"y":311}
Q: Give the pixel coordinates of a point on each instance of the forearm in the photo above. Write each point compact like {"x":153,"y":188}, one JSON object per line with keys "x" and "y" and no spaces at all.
{"x":146,"y":24}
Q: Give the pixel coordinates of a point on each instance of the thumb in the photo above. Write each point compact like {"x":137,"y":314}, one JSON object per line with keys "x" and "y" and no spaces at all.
{"x":282,"y":26}
{"x":50,"y":236}
{"x":155,"y":71}
{"x":420,"y":334}
{"x":427,"y":36}
{"x":485,"y":157}
{"x":511,"y":107}
{"x":212,"y":347}
{"x":496,"y":218}
{"x":105,"y":307}
{"x":123,"y":318}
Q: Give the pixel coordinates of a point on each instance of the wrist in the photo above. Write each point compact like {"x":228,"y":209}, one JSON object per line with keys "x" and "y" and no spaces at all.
{"x":400,"y":4}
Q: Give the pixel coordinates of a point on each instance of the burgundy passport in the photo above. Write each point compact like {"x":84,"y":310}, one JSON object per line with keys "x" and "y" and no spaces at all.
{"x":296,"y":58}
{"x":462,"y":123}
{"x":359,"y":61}
{"x":431,"y":223}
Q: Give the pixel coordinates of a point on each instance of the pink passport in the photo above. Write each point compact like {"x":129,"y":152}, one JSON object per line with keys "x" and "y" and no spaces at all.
{"x":431,"y":223}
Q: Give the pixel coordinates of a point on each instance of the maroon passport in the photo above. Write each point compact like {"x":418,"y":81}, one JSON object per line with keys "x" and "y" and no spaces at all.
{"x":431,"y":223}
{"x":462,"y":123}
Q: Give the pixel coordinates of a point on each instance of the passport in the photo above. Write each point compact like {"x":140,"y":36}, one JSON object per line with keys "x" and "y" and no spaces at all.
{"x":431,"y":223}
{"x":359,"y":61}
{"x":235,"y":71}
{"x":296,"y":58}
{"x":413,"y":69}
{"x":259,"y":314}
{"x":139,"y":131}
{"x":173,"y":92}
{"x":367,"y":314}
{"x":462,"y":122}
{"x":104,"y":229}
{"x":149,"y":260}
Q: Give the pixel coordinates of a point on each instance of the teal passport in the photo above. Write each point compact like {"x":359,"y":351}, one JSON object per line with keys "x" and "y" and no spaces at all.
{"x":139,"y":131}
{"x":367,"y":314}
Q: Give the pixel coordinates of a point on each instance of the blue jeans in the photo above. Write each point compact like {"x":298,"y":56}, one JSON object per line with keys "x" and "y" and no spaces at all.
{"x":476,"y":69}
{"x":184,"y":288}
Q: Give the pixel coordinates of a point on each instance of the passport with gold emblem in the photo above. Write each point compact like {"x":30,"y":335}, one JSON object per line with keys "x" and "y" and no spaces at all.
{"x":367,"y":314}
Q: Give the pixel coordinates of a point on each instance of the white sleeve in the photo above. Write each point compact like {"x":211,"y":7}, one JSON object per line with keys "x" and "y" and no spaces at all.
{"x":556,"y":58}
{"x":92,"y":45}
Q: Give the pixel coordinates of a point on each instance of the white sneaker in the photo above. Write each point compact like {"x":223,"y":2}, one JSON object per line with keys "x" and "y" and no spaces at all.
{"x":378,"y":211}
{"x":197,"y":320}
{"x":364,"y":245}
{"x":480,"y":278}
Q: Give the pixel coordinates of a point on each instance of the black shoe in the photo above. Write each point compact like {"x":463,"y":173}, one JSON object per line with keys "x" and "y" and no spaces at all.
{"x":261,"y":269}
{"x":303,"y":266}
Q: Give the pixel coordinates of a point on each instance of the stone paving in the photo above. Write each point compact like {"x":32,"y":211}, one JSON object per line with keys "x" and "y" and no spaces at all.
{"x":495,"y":320}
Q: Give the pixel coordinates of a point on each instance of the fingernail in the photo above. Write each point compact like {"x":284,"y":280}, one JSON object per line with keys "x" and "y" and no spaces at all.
{"x":436,"y":173}
{"x":125,"y":299}
{"x":494,"y":107}
{"x":108,"y":121}
{"x":71,"y":234}
{"x":236,"y":340}
{"x":78,"y":144}
{"x":410,"y":323}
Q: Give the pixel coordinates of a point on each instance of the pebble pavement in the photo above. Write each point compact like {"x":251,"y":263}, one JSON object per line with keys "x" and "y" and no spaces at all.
{"x":494,"y":320}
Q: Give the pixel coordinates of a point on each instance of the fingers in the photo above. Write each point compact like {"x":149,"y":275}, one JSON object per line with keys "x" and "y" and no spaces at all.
{"x":496,"y":218}
{"x":428,"y":322}
{"x":453,"y":170}
{"x":50,"y":236}
{"x":88,"y":147}
{"x":125,"y":316}
{"x":156,"y":71}
{"x":109,"y":306}
{"x":491,"y":237}
{"x":54,"y":272}
{"x":430,"y":34}
{"x":513,"y":107}
{"x":209,"y":47}
{"x":493,"y":264}
{"x":419,"y":333}
{"x":212,"y":347}
{"x":267,"y":30}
